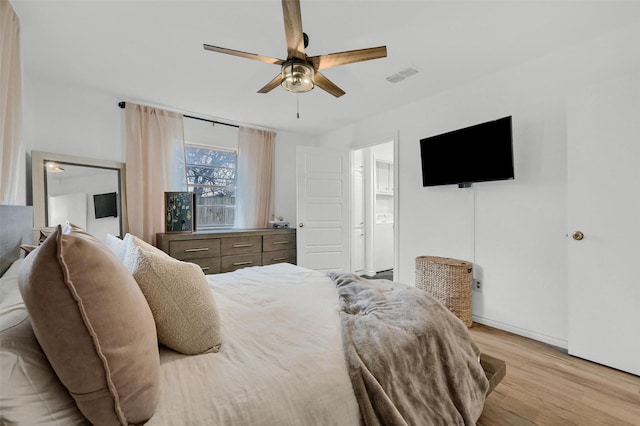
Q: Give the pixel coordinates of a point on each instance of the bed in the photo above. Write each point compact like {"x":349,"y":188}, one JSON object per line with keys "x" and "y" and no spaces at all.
{"x":276,"y":345}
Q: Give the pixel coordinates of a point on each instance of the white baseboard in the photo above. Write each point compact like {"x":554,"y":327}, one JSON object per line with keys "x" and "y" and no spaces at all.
{"x":560,"y":343}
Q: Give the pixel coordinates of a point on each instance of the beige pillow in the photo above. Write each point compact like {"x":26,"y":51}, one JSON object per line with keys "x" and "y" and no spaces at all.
{"x":95,"y":327}
{"x":180,"y":299}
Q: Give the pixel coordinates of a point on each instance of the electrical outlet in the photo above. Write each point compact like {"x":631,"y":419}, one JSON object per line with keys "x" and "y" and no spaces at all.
{"x":477,"y":285}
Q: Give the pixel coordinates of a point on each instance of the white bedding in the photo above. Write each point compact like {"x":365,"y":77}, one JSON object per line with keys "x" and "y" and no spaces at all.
{"x":281,"y":360}
{"x":30,"y":391}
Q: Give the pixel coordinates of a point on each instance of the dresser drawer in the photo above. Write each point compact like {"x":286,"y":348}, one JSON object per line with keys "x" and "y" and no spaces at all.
{"x":209,"y":265}
{"x":241,"y":245}
{"x":278,"y":242}
{"x":219,"y":251}
{"x":231,"y":263}
{"x":271,"y":257}
{"x":195,"y":249}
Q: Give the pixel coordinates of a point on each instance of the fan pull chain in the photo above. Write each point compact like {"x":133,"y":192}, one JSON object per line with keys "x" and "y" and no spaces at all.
{"x":297,"y":106}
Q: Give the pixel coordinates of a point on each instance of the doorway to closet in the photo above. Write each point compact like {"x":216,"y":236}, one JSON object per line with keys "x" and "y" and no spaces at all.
{"x":373,"y":210}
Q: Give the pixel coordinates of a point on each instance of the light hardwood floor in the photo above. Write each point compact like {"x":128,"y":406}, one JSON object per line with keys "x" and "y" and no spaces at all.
{"x":546,"y":386}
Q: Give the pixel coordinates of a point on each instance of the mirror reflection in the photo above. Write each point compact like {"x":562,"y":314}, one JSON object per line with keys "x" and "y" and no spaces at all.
{"x":85,"y":196}
{"x":85,"y":192}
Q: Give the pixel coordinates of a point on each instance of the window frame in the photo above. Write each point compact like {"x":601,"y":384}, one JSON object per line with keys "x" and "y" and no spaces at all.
{"x":191,"y":187}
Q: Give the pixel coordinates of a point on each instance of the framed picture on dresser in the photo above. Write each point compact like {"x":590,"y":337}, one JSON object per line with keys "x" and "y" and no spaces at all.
{"x":179,"y":211}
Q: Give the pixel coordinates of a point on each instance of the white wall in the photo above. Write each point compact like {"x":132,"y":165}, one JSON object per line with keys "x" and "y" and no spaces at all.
{"x":514,"y":231}
{"x":285,"y":179}
{"x":69,"y":120}
{"x":72,"y":120}
{"x":205,"y":133}
{"x":78,"y":121}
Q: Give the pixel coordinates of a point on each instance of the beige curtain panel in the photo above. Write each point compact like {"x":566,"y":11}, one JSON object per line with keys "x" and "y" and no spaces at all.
{"x":155,"y":164}
{"x":254,"y":194}
{"x":10,"y":103}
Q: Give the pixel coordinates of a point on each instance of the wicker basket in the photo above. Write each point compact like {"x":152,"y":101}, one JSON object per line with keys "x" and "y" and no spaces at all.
{"x":449,"y":281}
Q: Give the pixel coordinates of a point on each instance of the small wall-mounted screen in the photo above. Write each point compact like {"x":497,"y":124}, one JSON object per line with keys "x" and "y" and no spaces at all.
{"x":106,"y":205}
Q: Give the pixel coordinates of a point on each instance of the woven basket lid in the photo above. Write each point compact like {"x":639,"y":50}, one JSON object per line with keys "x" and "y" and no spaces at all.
{"x":442,"y":260}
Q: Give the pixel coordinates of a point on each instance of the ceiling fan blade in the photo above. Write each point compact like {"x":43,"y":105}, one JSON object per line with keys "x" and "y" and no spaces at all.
{"x":341,"y":58}
{"x":243,"y":54}
{"x":293,"y":28}
{"x":325,"y":84}
{"x":272,"y":84}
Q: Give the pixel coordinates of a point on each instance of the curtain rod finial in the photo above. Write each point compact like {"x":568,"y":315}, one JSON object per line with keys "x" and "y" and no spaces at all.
{"x":121,"y":104}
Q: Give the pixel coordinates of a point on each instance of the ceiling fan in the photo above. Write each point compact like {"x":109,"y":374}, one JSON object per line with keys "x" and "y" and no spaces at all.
{"x":300,"y":73}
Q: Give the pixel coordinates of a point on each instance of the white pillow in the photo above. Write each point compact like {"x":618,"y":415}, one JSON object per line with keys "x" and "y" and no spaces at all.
{"x":115,"y":244}
{"x":179,"y":296}
{"x":12,"y":309}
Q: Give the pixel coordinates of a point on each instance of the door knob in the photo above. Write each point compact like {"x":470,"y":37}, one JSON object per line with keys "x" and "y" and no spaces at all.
{"x":301,"y":225}
{"x":578,"y":235}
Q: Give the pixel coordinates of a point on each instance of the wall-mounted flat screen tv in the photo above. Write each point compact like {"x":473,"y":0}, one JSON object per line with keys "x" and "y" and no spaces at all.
{"x":479,"y":153}
{"x":105,"y":205}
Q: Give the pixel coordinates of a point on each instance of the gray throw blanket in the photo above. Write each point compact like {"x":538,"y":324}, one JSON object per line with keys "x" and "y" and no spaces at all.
{"x":411,"y":361}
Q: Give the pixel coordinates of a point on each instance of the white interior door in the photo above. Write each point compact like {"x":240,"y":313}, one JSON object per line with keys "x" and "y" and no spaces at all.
{"x":604,"y":204}
{"x":323,"y":209}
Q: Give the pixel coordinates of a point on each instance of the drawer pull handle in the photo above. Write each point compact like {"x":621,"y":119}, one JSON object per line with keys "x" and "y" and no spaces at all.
{"x":279,"y":258}
{"x":280,"y":242}
{"x":196,"y":249}
{"x":205,"y":268}
{"x":242,"y":245}
{"x":243,"y":263}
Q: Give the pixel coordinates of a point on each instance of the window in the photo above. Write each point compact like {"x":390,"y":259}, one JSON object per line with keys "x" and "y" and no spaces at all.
{"x":211,"y":174}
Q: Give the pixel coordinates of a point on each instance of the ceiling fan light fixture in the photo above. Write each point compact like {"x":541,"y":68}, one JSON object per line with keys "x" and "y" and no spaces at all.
{"x":297,"y":76}
{"x":300,"y":73}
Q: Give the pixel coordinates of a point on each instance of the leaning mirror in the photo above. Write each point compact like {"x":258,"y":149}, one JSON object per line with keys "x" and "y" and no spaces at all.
{"x":87,"y":192}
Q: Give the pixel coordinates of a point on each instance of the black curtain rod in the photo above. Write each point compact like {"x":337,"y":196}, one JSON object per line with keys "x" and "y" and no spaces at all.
{"x":123,"y":104}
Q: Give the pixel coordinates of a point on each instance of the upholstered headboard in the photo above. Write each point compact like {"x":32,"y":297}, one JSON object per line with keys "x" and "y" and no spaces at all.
{"x":16,"y":227}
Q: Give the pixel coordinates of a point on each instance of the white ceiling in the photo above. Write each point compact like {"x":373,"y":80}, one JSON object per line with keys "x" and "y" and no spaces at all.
{"x":151,"y":51}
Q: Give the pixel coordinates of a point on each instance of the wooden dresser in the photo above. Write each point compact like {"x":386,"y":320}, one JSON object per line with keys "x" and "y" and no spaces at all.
{"x":227,"y":250}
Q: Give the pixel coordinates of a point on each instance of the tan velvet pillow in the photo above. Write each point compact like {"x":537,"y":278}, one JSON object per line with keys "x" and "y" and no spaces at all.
{"x":180,"y":299}
{"x":94,"y":325}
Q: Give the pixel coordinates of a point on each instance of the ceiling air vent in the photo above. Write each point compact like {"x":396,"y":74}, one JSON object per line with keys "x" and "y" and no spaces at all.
{"x":406,"y":73}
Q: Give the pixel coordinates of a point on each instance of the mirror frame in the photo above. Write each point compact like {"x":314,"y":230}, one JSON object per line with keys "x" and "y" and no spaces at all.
{"x":38,"y":184}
